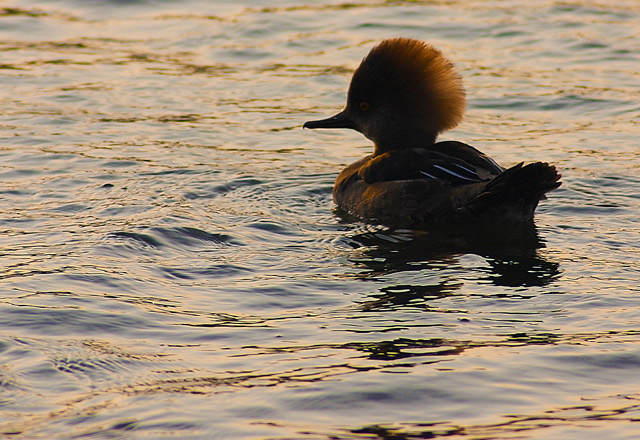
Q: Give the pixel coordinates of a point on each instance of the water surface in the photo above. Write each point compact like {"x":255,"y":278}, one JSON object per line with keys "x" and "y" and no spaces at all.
{"x":173,"y":267}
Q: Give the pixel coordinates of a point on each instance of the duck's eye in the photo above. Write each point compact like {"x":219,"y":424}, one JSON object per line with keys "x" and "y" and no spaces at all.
{"x":364,"y":106}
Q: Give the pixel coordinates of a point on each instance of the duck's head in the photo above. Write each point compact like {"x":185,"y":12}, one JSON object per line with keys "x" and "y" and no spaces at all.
{"x":403,"y":94}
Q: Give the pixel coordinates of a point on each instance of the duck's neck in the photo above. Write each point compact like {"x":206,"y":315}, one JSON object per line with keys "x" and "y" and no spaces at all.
{"x":406,"y":140}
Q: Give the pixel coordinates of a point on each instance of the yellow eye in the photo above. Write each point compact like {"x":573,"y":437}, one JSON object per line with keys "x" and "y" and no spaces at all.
{"x":364,"y":106}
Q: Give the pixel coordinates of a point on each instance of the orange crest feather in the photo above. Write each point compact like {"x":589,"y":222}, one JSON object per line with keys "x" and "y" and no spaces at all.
{"x":413,"y":80}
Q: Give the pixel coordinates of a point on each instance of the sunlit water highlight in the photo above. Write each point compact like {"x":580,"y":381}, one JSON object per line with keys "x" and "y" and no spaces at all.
{"x":172,"y":266}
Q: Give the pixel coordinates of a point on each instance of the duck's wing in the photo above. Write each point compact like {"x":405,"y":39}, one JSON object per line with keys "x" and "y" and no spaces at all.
{"x":453,"y":162}
{"x":468,"y":154}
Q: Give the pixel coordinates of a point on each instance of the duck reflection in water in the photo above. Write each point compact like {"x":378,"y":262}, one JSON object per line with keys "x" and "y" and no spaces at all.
{"x":512,"y":256}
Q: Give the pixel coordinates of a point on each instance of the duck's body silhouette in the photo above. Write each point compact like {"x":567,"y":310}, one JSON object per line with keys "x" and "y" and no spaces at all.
{"x":403,"y":94}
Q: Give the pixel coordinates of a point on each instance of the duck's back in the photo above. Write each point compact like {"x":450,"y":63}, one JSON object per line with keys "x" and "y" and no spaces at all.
{"x":449,"y":182}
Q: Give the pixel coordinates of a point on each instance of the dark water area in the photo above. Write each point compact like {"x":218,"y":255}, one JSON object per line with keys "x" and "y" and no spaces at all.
{"x":173,"y":267}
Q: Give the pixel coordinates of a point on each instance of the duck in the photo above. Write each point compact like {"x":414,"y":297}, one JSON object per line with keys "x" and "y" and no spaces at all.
{"x":402,"y":96}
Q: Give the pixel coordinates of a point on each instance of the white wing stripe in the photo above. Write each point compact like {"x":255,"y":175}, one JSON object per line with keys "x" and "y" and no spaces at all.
{"x":465,"y":168}
{"x":459,"y":176}
{"x":428,"y":175}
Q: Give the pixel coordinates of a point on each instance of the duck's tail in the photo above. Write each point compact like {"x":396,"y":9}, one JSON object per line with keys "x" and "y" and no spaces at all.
{"x":513,"y":195}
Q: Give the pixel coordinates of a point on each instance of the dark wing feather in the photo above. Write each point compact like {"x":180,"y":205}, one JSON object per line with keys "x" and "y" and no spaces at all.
{"x":453,"y":170}
{"x":467,"y":153}
{"x":453,"y":162}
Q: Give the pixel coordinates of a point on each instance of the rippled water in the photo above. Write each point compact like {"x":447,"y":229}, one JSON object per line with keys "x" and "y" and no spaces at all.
{"x":172,"y":266}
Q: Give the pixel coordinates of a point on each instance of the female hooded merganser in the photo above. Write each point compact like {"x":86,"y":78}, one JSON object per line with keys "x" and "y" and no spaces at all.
{"x":403,"y":94}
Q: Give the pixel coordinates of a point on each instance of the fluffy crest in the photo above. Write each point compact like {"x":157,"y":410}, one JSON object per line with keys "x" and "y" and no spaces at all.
{"x":412,"y":80}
